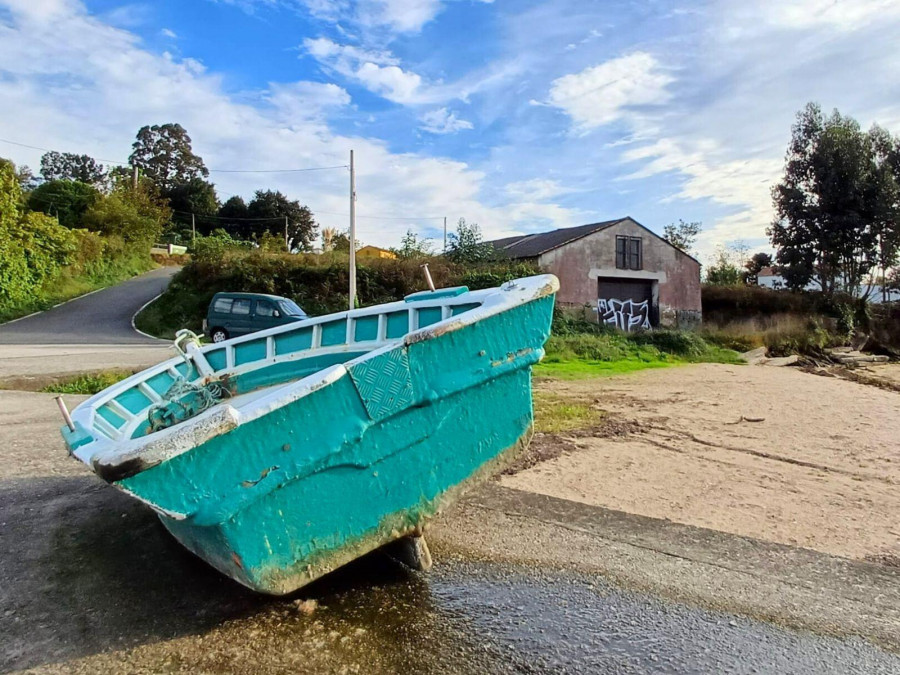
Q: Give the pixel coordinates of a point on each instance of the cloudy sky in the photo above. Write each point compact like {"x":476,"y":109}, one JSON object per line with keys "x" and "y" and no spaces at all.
{"x":520,"y":115}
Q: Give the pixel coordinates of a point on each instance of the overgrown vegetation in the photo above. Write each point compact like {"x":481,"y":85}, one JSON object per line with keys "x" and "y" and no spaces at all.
{"x":60,"y":241}
{"x":785,"y":322}
{"x":88,"y":384}
{"x":318,"y":283}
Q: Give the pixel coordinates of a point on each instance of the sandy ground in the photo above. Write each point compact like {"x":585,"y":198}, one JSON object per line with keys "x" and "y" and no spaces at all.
{"x":772,"y":453}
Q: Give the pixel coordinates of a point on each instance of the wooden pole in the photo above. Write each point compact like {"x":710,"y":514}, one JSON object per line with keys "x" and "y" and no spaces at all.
{"x":193,"y":229}
{"x":445,"y":234}
{"x":134,"y":178}
{"x":352,"y":233}
{"x":286,"y":242}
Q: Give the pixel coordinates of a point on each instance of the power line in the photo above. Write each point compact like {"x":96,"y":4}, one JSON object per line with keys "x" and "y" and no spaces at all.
{"x":117,"y":163}
{"x":332,"y":213}
{"x":200,"y":215}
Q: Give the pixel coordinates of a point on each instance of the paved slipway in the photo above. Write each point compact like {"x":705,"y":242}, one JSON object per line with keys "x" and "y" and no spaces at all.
{"x":523,"y":583}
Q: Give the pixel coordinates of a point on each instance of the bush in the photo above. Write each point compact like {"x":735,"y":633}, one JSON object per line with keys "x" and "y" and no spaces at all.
{"x":318,"y":283}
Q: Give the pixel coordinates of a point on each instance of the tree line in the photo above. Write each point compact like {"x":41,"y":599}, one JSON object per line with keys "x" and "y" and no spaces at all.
{"x":163,"y":157}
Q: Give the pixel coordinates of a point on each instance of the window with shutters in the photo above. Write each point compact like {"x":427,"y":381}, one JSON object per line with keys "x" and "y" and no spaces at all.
{"x":629,"y":253}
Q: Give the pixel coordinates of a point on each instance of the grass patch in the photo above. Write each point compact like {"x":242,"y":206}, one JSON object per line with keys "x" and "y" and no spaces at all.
{"x":554,"y":414}
{"x":601,"y":352}
{"x":579,"y":370}
{"x":92,"y":383}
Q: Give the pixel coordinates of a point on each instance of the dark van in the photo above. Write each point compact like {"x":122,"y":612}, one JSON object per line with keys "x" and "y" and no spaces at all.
{"x":234,"y":314}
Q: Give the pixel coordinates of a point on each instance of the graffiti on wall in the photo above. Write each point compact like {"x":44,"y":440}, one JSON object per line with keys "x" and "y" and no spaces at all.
{"x":625,"y":315}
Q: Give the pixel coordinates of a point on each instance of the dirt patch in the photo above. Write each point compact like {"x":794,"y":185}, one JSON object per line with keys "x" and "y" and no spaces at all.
{"x":771,"y":453}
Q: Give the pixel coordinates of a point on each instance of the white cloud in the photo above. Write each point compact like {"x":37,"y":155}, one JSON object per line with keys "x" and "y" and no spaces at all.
{"x":376,"y":71}
{"x":537,"y":189}
{"x":443,"y":121}
{"x":169,"y":33}
{"x":844,"y":15}
{"x":67,"y":82}
{"x":398,"y":16}
{"x":606,"y":92}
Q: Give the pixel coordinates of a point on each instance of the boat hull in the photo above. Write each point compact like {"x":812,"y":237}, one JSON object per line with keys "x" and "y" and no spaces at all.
{"x":314,"y":525}
{"x":369,"y":458}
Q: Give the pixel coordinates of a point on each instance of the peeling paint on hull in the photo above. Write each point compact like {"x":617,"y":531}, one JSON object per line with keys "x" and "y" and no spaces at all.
{"x":368,"y":456}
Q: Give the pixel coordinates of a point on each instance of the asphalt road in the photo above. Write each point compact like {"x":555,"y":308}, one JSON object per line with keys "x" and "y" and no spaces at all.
{"x":101,"y":318}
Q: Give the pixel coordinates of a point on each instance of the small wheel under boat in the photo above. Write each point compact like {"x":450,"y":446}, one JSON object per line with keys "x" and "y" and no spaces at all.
{"x":219,"y":335}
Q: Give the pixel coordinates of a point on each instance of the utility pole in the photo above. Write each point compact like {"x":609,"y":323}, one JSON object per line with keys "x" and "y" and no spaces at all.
{"x":134,"y":177}
{"x":286,"y":244}
{"x":352,"y":234}
{"x":445,"y":234}
{"x":193,"y":229}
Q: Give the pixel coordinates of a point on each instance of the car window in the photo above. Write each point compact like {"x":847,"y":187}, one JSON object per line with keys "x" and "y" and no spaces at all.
{"x":264,"y":308}
{"x":291,"y":308}
{"x":240,"y":307}
{"x":222,"y":305}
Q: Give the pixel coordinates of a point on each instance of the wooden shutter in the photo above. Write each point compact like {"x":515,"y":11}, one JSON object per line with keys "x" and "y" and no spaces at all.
{"x":621,"y":253}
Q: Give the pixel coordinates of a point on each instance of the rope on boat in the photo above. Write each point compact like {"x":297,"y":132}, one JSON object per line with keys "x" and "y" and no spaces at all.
{"x":184,"y":400}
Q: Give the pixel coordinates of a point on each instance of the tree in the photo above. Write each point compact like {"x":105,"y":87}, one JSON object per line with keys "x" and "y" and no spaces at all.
{"x":886,"y":223}
{"x":69,"y":166}
{"x":271,"y":208}
{"x":466,"y":246}
{"x":233,"y":214}
{"x":836,"y":203}
{"x":340,"y":241}
{"x":122,"y":215}
{"x":33,"y":246}
{"x":68,"y":200}
{"x":412,"y":246}
{"x":163,"y":153}
{"x":724,"y":270}
{"x":682,"y":235}
{"x":197,"y":197}
{"x":755,"y":265}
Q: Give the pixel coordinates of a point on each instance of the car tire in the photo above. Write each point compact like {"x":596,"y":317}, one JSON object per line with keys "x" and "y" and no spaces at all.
{"x":218,"y":335}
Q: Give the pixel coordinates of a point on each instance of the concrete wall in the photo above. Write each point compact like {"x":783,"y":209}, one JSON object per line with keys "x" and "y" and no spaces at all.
{"x":580,"y":263}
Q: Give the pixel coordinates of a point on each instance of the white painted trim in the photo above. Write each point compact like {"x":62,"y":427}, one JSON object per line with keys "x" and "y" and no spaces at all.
{"x":162,"y":445}
{"x":614,"y":272}
{"x":142,"y":308}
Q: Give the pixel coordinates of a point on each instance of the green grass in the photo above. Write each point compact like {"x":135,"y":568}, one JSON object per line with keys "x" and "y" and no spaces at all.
{"x":88,"y":384}
{"x":578,"y":369}
{"x":554,"y":414}
{"x":604,"y":353}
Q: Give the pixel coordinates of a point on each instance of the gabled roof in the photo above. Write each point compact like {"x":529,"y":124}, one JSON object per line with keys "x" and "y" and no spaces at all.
{"x":533,"y":245}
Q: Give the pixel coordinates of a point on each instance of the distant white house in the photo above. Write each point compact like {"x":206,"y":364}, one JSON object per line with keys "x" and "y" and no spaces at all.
{"x":769,"y":278}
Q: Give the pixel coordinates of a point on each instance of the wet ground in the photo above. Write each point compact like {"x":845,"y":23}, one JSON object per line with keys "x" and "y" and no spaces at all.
{"x":90,"y":581}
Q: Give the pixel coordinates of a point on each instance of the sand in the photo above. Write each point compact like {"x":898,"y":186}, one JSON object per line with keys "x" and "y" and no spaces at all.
{"x":771,"y":453}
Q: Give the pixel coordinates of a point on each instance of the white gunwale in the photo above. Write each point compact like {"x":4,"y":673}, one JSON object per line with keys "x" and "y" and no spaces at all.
{"x":114,"y":446}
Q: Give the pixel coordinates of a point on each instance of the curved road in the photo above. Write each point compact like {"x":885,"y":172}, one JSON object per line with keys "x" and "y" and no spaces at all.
{"x":100,"y":318}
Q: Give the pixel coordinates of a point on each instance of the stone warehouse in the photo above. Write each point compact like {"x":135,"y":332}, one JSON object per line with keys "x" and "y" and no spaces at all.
{"x":631,"y":276}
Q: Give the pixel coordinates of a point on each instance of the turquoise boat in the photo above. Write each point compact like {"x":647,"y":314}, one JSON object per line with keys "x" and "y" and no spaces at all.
{"x":284,"y":454}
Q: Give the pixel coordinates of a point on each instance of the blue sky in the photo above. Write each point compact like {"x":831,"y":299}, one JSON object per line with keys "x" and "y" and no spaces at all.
{"x":519,"y":115}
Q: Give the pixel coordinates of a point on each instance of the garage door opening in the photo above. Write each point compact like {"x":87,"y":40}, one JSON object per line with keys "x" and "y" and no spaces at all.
{"x":627,"y":304}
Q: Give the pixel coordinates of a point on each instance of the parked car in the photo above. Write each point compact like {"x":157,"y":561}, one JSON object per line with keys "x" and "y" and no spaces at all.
{"x":234,"y":314}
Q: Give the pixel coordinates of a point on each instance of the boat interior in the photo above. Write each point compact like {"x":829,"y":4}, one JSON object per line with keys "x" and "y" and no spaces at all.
{"x":249,"y":367}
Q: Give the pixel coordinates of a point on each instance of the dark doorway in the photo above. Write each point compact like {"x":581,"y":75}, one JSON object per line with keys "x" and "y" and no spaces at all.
{"x":626,"y":304}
